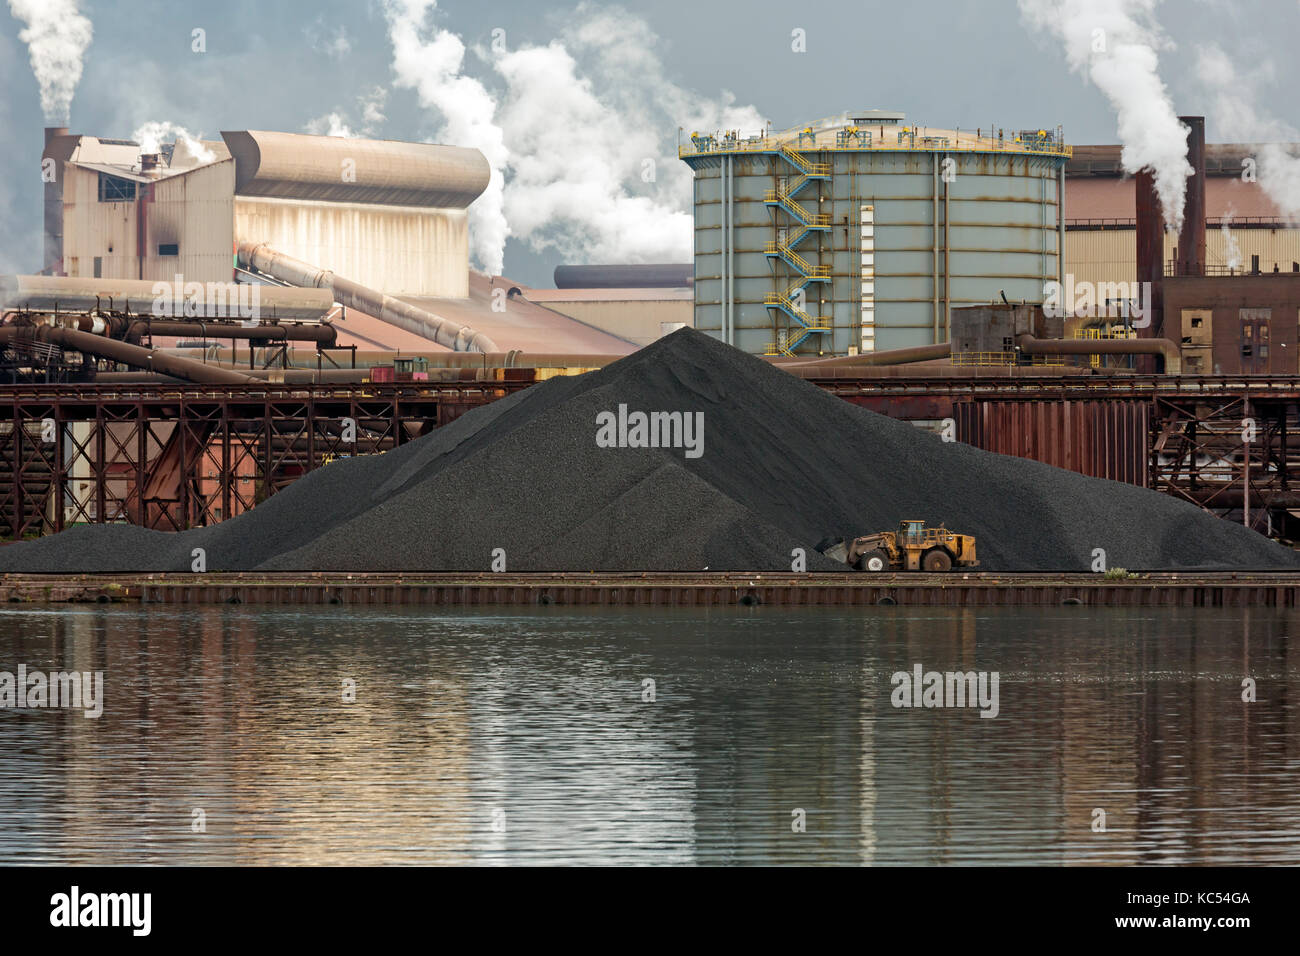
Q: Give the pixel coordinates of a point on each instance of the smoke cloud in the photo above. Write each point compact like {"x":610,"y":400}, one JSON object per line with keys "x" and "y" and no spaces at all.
{"x":151,"y":135}
{"x":429,"y":61}
{"x":371,"y":108}
{"x":57,"y":36}
{"x":1231,"y":250}
{"x":577,"y":132}
{"x":1113,"y":43}
{"x":592,"y":173}
{"x":1237,"y":118}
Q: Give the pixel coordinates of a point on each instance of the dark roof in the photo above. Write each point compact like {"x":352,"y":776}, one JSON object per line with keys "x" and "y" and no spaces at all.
{"x":1221,"y":159}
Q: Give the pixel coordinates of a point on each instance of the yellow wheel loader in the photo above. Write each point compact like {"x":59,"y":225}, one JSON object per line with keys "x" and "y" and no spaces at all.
{"x":913,"y":547}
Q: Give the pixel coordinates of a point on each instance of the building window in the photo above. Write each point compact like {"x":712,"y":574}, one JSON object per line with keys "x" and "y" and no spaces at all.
{"x":99,"y":267}
{"x":112,"y":189}
{"x":169,"y":249}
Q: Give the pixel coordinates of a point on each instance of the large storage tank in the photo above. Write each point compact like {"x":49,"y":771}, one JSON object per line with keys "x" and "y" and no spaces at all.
{"x":860,"y":232}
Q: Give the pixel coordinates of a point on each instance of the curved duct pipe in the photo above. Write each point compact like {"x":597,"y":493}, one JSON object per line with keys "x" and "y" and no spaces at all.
{"x":299,"y":376}
{"x":320,"y":334}
{"x":920,"y":353}
{"x":485,"y":360}
{"x":1167,"y":350}
{"x":214,"y":301}
{"x":133,"y":355}
{"x":352,"y":295}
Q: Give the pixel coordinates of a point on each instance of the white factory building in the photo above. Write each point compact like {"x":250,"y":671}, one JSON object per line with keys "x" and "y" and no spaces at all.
{"x":391,"y":215}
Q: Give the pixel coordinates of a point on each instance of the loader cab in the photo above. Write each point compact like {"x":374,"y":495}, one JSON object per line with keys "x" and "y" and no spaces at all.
{"x":911,"y":531}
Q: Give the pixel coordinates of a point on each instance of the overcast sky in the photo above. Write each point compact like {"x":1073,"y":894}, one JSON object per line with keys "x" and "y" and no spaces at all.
{"x":283,"y":65}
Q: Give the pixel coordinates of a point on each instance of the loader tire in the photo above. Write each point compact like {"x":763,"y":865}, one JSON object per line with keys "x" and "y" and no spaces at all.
{"x":937,"y":561}
{"x":875,"y":561}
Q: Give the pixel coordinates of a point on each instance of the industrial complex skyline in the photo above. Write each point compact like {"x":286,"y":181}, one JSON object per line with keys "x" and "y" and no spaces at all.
{"x":587,"y":105}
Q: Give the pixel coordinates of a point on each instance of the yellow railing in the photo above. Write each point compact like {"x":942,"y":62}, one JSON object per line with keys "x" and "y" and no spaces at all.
{"x":1098,"y":335}
{"x":799,"y":262}
{"x":769,"y":145}
{"x":802,"y":162}
{"x":1102,"y":334}
{"x":1004,"y":358}
{"x":808,"y":167}
{"x":808,"y":321}
{"x":803,"y":215}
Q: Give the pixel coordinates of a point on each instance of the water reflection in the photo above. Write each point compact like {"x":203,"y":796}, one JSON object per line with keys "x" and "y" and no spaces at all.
{"x":524,"y":737}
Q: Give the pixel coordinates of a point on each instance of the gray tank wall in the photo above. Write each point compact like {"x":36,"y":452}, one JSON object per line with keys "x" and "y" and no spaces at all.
{"x":1002,"y":233}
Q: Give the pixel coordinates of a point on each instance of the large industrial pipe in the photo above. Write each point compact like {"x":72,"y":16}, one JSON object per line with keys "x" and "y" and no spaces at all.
{"x":920,"y":353}
{"x":482,"y":360}
{"x":639,"y":276}
{"x":352,"y":295}
{"x":325,"y":335}
{"x":1173,"y":363}
{"x":163,"y":299}
{"x":147,"y":359}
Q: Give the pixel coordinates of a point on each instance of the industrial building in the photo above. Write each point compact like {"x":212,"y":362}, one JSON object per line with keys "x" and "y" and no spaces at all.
{"x":860,"y":232}
{"x":640,"y":303}
{"x":901,"y":268}
{"x":381,"y":218}
{"x":1245,"y":231}
{"x":386,"y":214}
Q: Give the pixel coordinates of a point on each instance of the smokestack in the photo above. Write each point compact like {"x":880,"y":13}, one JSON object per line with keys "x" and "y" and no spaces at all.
{"x":148,"y":162}
{"x":1150,"y":248}
{"x":52,"y":159}
{"x":1191,"y":241}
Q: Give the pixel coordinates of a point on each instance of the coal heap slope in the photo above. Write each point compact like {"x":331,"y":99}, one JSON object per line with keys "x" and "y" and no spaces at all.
{"x":782,"y":465}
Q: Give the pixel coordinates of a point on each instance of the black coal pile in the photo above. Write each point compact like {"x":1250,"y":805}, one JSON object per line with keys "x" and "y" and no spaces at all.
{"x":555,"y":479}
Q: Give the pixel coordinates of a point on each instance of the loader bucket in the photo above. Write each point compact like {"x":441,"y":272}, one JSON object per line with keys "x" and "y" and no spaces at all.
{"x":835,"y":549}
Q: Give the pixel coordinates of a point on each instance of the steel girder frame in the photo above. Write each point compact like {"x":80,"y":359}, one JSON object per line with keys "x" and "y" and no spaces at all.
{"x":1200,"y":453}
{"x":30,"y":461}
{"x":174,"y":458}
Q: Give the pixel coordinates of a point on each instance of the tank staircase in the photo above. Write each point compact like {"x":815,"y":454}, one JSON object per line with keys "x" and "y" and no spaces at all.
{"x":791,"y":301}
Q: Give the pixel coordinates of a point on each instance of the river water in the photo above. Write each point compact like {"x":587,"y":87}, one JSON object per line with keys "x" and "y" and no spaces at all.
{"x":738,"y":735}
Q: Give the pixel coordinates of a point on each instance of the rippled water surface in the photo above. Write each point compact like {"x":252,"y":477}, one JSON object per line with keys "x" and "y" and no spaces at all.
{"x":525,"y":737}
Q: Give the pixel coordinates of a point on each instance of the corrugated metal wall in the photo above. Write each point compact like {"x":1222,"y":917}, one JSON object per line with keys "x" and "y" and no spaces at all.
{"x":194,"y":212}
{"x":1102,"y":439}
{"x":1110,"y":255}
{"x":401,"y":250}
{"x":91,"y":229}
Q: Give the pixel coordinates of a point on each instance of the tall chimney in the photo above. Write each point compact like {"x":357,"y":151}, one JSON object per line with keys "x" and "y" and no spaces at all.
{"x":52,"y":177}
{"x":1191,"y":241}
{"x":1150,"y":249}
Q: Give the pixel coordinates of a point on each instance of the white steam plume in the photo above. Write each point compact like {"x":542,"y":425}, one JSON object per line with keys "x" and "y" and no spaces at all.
{"x":590,"y":122}
{"x":331,"y":124}
{"x":580,"y":137}
{"x":1114,"y":43}
{"x":1231,"y":250}
{"x":1237,"y":118}
{"x":371,"y":106}
{"x":572,"y":158}
{"x":429,"y":61}
{"x":150,"y":136}
{"x":57,"y":36}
